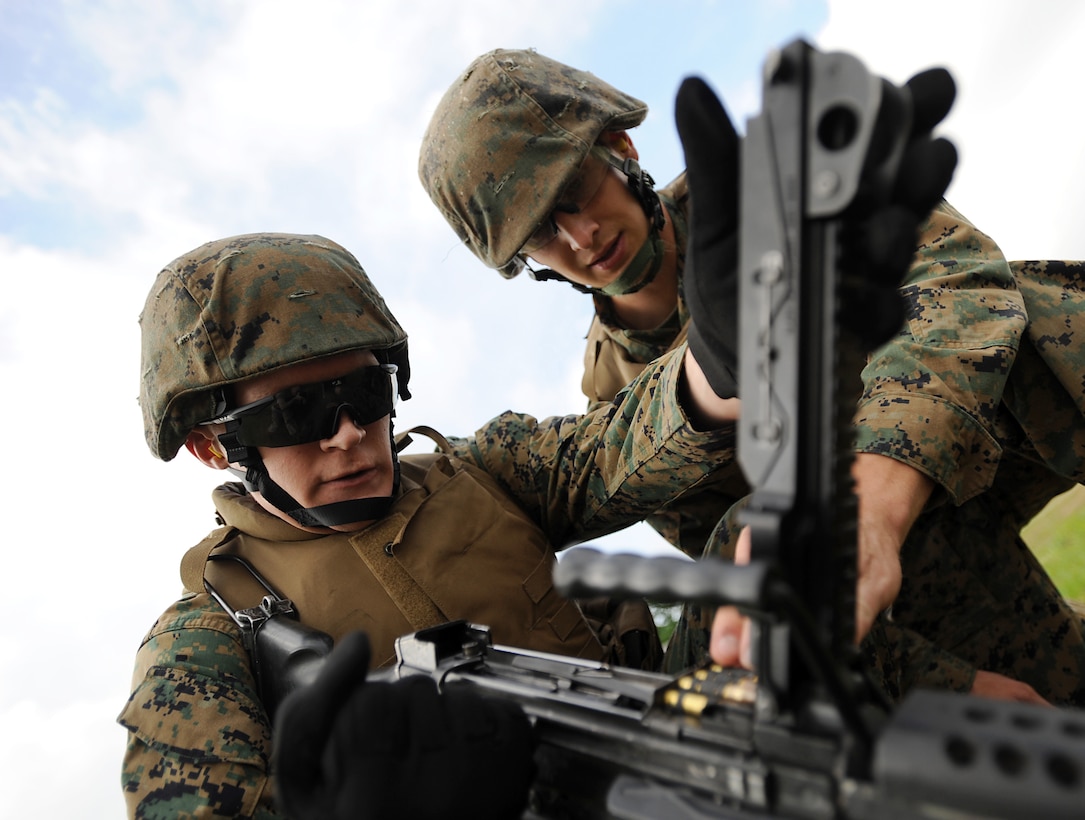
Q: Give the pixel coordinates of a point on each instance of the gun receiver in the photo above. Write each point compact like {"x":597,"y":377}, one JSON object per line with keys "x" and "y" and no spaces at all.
{"x":825,"y":143}
{"x":617,"y":742}
{"x":806,"y":738}
{"x":621,"y":743}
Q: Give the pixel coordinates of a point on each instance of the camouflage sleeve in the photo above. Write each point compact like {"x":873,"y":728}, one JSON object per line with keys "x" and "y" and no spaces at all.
{"x":900,"y":659}
{"x":585,"y":476}
{"x":199,"y":741}
{"x":931,"y":394}
{"x":1046,"y":395}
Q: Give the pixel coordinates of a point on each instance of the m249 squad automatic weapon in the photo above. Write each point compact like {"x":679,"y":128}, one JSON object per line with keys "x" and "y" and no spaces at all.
{"x":806,"y":737}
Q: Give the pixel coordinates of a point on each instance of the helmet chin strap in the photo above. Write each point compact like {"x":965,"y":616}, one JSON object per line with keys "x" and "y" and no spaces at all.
{"x":640,"y":271}
{"x":257,"y":479}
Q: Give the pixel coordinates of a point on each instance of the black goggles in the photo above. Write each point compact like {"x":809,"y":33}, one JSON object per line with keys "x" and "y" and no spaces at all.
{"x":311,"y":412}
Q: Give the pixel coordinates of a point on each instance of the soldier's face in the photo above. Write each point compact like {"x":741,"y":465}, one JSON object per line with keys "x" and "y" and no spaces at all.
{"x":594,"y":245}
{"x":354,"y":462}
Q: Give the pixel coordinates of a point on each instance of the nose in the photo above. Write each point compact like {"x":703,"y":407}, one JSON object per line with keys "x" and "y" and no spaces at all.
{"x":577,"y":229}
{"x":346,"y":433}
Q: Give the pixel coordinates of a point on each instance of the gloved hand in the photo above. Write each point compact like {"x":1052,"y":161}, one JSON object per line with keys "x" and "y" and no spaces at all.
{"x":345,"y":748}
{"x":880,"y":232}
{"x":711,"y":273}
{"x":879,"y":237}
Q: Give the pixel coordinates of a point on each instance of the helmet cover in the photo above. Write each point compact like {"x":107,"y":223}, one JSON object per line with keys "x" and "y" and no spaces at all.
{"x":247,"y":305}
{"x":506,"y":139}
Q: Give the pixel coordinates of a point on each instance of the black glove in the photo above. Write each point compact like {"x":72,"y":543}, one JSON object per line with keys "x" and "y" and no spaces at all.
{"x":880,"y":229}
{"x":710,"y":280}
{"x":345,"y":748}
{"x":879,"y":235}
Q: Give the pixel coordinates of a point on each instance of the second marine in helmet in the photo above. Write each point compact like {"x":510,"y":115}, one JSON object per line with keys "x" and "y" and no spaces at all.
{"x":518,"y":147}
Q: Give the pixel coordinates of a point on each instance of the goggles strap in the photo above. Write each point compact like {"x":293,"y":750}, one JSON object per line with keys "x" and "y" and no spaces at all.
{"x":236,"y":452}
{"x":642,"y":185}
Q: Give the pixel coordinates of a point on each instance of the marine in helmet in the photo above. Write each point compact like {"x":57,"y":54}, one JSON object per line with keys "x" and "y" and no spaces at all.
{"x":219,"y":388}
{"x":530,"y":159}
{"x":531,"y":163}
{"x":273,"y":357}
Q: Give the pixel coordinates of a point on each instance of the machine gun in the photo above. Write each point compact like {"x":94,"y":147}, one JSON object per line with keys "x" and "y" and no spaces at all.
{"x":807,"y":737}
{"x":621,"y":743}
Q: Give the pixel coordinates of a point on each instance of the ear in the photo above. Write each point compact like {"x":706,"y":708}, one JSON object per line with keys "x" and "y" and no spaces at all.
{"x":203,"y":444}
{"x":620,"y":143}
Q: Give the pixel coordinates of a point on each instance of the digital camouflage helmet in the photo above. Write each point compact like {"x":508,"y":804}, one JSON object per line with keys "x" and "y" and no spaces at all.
{"x":248,"y":305}
{"x":507,"y":138}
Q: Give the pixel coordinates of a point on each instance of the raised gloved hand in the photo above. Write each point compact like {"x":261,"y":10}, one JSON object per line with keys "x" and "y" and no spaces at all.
{"x":711,"y":273}
{"x":879,"y":237}
{"x":345,"y":748}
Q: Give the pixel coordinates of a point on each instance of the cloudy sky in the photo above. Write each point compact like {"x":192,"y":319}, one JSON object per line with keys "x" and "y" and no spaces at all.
{"x":133,"y":131}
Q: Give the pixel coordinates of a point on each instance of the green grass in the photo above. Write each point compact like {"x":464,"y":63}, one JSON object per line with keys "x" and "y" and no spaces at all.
{"x":1057,"y":537}
{"x":666,"y":617}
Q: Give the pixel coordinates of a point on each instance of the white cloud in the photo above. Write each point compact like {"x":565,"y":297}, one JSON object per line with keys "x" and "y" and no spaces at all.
{"x":1017,"y":68}
{"x":33,"y":783}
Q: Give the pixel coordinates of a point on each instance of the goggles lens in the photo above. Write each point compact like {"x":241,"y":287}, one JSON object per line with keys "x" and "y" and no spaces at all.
{"x":310,"y":412}
{"x":581,"y":189}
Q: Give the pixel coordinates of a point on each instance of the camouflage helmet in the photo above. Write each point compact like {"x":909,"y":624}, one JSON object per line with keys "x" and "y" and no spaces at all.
{"x":244,"y":306}
{"x":506,"y":139}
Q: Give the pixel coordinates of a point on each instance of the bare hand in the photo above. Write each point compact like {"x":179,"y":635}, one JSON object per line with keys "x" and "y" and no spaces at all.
{"x":1000,"y":687}
{"x":729,"y":644}
{"x":891,"y":496}
{"x":879,"y":576}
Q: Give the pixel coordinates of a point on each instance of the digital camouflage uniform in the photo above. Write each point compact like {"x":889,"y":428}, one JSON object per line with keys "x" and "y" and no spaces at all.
{"x":505,"y":141}
{"x":614,"y":355}
{"x":500,"y":148}
{"x":981,"y":391}
{"x":199,"y":738}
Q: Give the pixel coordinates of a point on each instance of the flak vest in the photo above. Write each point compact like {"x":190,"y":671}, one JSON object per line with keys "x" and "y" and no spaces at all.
{"x":454,"y":545}
{"x":607,"y":366}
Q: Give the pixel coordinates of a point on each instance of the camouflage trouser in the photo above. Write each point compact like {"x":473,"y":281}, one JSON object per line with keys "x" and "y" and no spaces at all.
{"x":973,"y":597}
